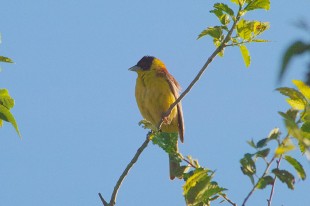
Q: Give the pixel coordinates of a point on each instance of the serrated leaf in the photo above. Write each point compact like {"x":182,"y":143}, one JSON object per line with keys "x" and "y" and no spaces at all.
{"x":263,"y":182}
{"x":6,"y":115}
{"x":303,"y":88}
{"x":297,"y":166}
{"x":292,"y":114}
{"x":244,"y":30}
{"x":215,"y":32}
{"x":224,"y":7}
{"x":258,"y":4}
{"x":295,"y":49}
{"x":259,"y":27}
{"x":285,"y":177}
{"x":263,"y":153}
{"x":167,"y":141}
{"x":148,"y":125}
{"x":249,"y":30}
{"x":245,"y":55}
{"x":6,"y":59}
{"x":296,"y":104}
{"x":199,"y":188}
{"x":293,"y":94}
{"x":5,"y":99}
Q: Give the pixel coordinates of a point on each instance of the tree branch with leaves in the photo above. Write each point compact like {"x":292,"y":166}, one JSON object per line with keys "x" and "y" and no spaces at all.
{"x":199,"y":188}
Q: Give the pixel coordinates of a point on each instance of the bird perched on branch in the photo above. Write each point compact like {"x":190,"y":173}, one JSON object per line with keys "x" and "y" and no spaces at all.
{"x":156,"y":90}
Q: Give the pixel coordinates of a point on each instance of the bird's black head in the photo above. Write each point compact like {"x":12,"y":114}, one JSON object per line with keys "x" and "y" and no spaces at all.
{"x":145,"y":63}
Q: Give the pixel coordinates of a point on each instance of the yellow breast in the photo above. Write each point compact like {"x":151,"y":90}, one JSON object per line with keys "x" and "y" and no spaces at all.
{"x":154,"y":97}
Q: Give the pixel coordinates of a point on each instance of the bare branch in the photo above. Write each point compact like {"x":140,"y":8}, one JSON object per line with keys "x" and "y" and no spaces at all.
{"x":125,"y":172}
{"x":103,"y":200}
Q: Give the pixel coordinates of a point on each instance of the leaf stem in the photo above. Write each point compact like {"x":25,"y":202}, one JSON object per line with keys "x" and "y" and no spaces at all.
{"x":228,"y":200}
{"x":274,"y":182}
{"x":263,"y":175}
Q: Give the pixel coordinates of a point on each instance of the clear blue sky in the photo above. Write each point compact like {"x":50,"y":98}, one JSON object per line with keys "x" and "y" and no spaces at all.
{"x":77,"y":113}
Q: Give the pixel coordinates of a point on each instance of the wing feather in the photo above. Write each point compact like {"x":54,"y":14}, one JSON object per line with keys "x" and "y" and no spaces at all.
{"x":175,"y":88}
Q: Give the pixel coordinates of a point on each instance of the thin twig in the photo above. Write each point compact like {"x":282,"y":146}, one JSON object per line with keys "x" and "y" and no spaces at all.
{"x":263,"y":175}
{"x":103,"y":200}
{"x":202,"y":70}
{"x":274,"y":182}
{"x":228,"y":200}
{"x":185,"y":160}
{"x":124,"y":174}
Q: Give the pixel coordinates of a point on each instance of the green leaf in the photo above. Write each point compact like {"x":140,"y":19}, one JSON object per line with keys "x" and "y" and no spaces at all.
{"x":148,"y":125}
{"x":260,"y":40}
{"x":217,"y":43}
{"x":215,"y":32}
{"x":6,"y":59}
{"x":224,"y":18}
{"x":263,"y":153}
{"x":5,"y":99}
{"x":303,"y":88}
{"x":295,"y":49}
{"x":238,"y":2}
{"x":6,"y":115}
{"x":258,"y":4}
{"x":263,"y":182}
{"x":285,"y":177}
{"x":245,"y":55}
{"x":225,"y":8}
{"x":285,"y":147}
{"x":252,"y":143}
{"x":297,"y":166}
{"x":296,"y":98}
{"x":199,"y":188}
{"x":292,"y":114}
{"x":292,"y":127}
{"x":167,"y":141}
{"x":248,"y":166}
{"x":248,"y":30}
{"x":244,"y":30}
{"x":262,"y":143}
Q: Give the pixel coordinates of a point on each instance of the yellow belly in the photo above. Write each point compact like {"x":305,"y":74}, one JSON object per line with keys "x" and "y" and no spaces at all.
{"x":154,"y":97}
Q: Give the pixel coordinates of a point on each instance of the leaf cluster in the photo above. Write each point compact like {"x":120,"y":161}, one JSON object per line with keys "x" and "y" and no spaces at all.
{"x":244,"y":31}
{"x":7,"y":102}
{"x":297,"y":124}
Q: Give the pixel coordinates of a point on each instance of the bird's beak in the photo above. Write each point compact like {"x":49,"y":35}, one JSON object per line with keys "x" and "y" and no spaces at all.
{"x":134,"y":68}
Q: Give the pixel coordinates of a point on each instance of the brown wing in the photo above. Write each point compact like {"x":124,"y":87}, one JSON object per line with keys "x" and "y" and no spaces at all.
{"x":175,"y":88}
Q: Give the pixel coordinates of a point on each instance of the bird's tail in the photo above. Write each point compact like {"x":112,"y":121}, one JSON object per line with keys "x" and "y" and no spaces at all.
{"x":174,"y":167}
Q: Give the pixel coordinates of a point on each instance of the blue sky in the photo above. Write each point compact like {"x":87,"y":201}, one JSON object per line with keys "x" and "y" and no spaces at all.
{"x":76,"y":109}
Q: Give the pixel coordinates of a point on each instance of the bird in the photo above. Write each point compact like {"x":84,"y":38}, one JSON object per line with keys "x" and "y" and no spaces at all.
{"x":156,"y":89}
